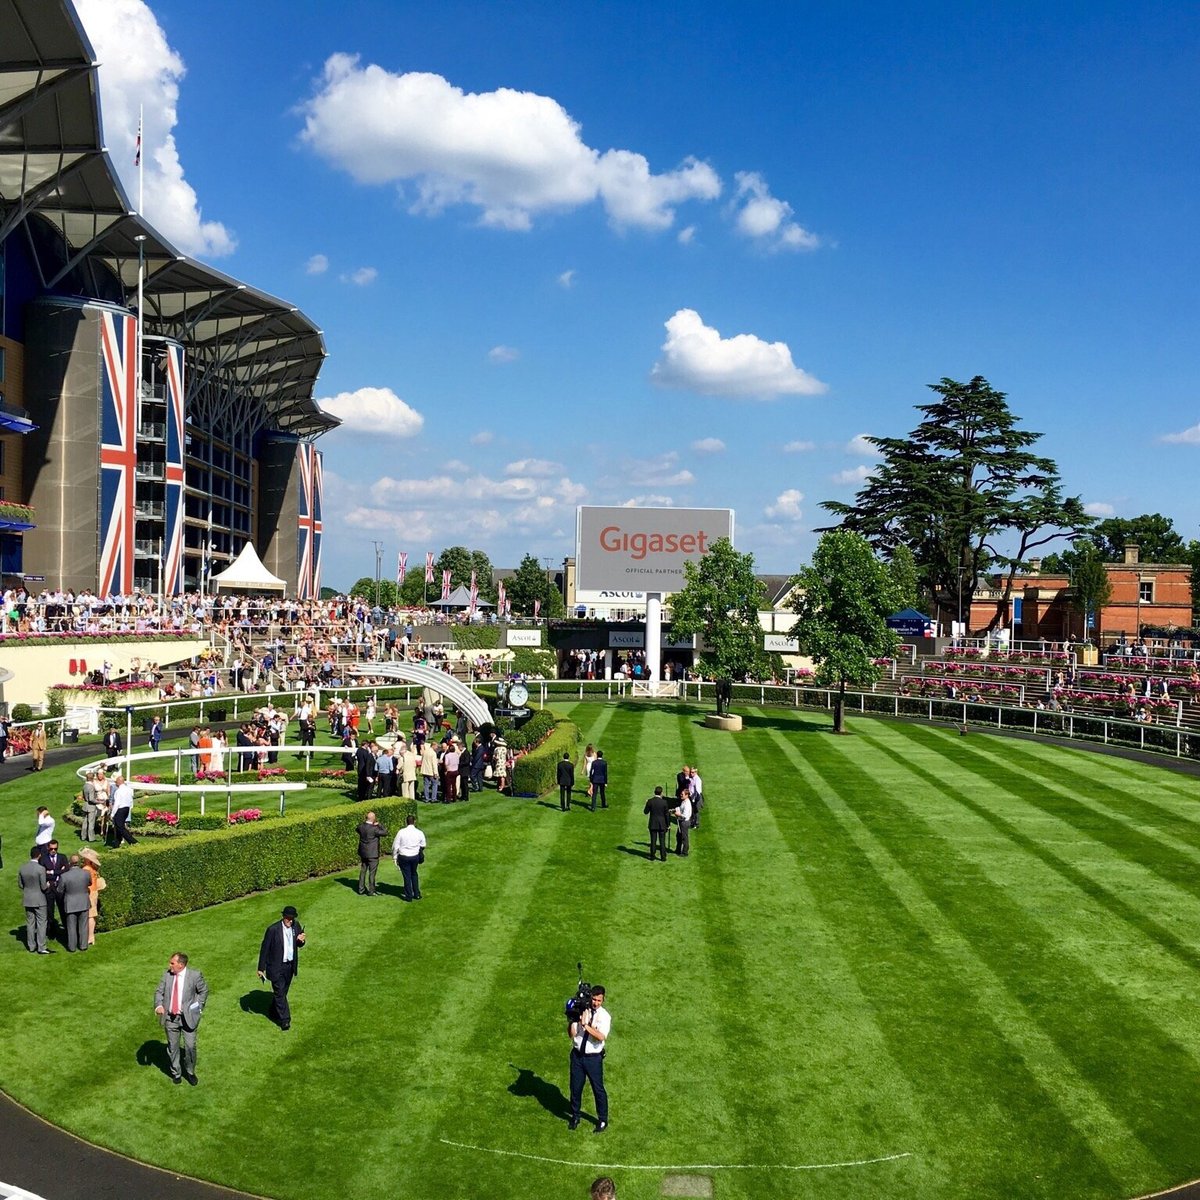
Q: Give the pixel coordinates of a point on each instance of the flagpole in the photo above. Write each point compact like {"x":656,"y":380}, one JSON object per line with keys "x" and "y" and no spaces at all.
{"x":141,"y":241}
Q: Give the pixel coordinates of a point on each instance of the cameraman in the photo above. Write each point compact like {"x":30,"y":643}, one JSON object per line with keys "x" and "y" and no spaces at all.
{"x":588,"y":1038}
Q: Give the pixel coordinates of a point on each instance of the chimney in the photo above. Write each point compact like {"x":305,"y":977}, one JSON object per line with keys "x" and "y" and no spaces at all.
{"x":1131,"y":553}
{"x":1035,"y":566}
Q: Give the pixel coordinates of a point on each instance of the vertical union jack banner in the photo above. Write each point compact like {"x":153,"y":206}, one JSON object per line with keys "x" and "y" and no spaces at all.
{"x":537,"y":608}
{"x":500,"y":597}
{"x":308,"y":546}
{"x":401,"y":568}
{"x":428,"y":566}
{"x":474,"y":594}
{"x":173,"y":528}
{"x":118,"y":451}
{"x":445,"y":585}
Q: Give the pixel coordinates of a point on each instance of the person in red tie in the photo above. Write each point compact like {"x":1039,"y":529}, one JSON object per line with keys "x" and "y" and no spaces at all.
{"x":179,"y":1002}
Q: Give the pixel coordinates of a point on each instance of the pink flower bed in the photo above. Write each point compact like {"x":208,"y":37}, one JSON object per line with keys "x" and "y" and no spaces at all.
{"x":161,"y":818}
{"x":245,"y":815}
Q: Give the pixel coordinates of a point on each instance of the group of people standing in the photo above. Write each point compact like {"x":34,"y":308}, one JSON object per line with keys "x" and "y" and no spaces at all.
{"x":594,"y":769}
{"x":53,"y":884}
{"x":689,"y":800}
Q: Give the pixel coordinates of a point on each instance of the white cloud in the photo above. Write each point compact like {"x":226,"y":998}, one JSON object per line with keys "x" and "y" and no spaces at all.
{"x":708,"y":445}
{"x":786,"y":506}
{"x":482,"y":438}
{"x":138,"y":67}
{"x":697,"y":358}
{"x":567,"y":279}
{"x":798,"y":447}
{"x":541,"y":468}
{"x":765,"y":218}
{"x":650,"y":501}
{"x":512,"y":155}
{"x":317,"y":265}
{"x":660,"y":471}
{"x":457,"y":465}
{"x":686,"y":235}
{"x":853,"y":475}
{"x":860,"y":446}
{"x":1187,"y":437}
{"x":503,"y":354}
{"x":1098,"y":508}
{"x":360,"y":277}
{"x":377,"y":411}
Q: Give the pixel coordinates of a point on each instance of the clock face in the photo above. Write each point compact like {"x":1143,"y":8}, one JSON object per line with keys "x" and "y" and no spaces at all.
{"x":517,"y":695}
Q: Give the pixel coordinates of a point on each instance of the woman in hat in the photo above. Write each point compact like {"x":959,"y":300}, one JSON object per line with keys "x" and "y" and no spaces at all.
{"x":96,"y":884}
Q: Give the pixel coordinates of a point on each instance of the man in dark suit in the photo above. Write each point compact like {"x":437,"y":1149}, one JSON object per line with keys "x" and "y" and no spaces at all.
{"x":566,"y":781}
{"x":364,"y":764}
{"x":156,"y":732}
{"x":112,"y":742}
{"x":73,"y":888}
{"x":279,"y":961}
{"x":660,"y":822}
{"x":179,"y":1002}
{"x":31,"y":879}
{"x":598,"y":778}
{"x":369,"y":833}
{"x":56,"y":867}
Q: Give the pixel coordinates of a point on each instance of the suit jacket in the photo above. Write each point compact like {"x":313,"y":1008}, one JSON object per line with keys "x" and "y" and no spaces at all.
{"x":369,"y":834}
{"x":270,"y":954}
{"x":566,"y":773}
{"x":193,"y":998}
{"x":659,"y":809}
{"x":599,"y":771}
{"x":73,"y":888}
{"x":56,"y":867}
{"x":112,"y":743}
{"x":364,"y":761}
{"x":32,"y":880}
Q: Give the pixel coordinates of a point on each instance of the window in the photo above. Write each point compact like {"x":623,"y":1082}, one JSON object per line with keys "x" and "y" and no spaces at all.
{"x":1146,"y":591}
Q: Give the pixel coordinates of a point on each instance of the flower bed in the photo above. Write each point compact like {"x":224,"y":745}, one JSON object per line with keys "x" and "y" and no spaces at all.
{"x":980,"y":670}
{"x":244,"y":816}
{"x":53,"y":638}
{"x":1164,"y":666}
{"x":150,"y":689}
{"x":1049,"y":658}
{"x":925,"y":686}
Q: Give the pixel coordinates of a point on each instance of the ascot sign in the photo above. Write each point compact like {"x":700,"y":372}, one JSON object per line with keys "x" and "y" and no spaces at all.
{"x":644,"y":548}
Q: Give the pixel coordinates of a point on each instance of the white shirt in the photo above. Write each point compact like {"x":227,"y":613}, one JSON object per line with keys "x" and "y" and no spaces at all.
{"x":685,"y":810}
{"x":408,"y":842}
{"x":696,"y":786}
{"x":602,"y":1021}
{"x":45,"y":830}
{"x":289,"y":935}
{"x":122,"y":797}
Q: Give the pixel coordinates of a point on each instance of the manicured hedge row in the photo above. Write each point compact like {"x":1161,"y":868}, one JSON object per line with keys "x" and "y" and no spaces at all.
{"x":532,"y":733}
{"x":535,"y":773}
{"x":165,"y":878}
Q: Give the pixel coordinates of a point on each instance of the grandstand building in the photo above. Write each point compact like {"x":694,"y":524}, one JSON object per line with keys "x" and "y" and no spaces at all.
{"x":147,"y":479}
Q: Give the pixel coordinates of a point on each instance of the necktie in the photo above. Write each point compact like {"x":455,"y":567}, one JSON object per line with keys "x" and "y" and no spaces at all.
{"x":175,"y":989}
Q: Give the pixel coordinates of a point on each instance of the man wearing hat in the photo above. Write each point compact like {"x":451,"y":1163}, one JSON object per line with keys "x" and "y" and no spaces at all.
{"x":279,"y":961}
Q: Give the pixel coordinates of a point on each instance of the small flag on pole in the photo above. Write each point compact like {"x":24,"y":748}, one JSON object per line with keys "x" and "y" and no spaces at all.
{"x":428,"y":566}
{"x":401,"y":568}
{"x":445,"y":585}
{"x":137,"y":151}
{"x":500,"y":596}
{"x":537,"y":608}
{"x":474,"y":594}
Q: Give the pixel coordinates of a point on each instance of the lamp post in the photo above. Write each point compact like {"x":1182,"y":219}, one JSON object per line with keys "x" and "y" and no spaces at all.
{"x":378,"y":567}
{"x":960,"y":579}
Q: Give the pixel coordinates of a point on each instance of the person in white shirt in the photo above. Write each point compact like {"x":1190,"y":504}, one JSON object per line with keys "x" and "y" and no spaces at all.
{"x":589,"y":1039}
{"x":122,"y":806}
{"x":408,"y":849}
{"x":683,"y":823}
{"x":45,"y":827}
{"x":696,"y":791}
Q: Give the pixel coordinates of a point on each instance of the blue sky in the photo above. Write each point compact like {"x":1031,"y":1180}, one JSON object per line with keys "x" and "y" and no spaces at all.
{"x":594,"y":253}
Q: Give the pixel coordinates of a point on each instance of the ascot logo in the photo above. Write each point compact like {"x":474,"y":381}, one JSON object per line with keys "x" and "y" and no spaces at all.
{"x":614,"y":540}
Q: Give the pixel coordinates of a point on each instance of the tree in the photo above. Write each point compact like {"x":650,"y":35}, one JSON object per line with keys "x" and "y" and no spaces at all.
{"x":903,"y":568}
{"x":720,"y":600}
{"x":1091,"y":588}
{"x":846,"y":597}
{"x":530,"y":583}
{"x":364,"y":589}
{"x":460,"y":562}
{"x":1152,"y":533}
{"x":414,"y":589}
{"x":962,"y":489}
{"x":1194,"y":579}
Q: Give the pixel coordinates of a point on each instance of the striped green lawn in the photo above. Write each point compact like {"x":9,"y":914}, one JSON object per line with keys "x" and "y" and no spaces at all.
{"x":978,"y":953}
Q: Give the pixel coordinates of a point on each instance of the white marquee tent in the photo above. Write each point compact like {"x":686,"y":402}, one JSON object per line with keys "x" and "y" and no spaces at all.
{"x":247,"y":574}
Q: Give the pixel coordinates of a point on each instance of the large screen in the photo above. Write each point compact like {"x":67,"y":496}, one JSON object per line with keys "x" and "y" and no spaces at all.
{"x":643,"y":549}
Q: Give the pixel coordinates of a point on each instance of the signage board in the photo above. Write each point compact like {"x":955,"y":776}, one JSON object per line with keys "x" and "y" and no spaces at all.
{"x":780,"y":643}
{"x":626,"y":639}
{"x":524,"y":637}
{"x":611,"y":598}
{"x":678,"y":643}
{"x":643,"y":549}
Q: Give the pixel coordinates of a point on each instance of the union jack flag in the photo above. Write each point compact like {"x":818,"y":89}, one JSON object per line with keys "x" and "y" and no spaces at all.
{"x":308,"y":547}
{"x":474,"y":594}
{"x":500,"y":596}
{"x":445,"y":585}
{"x":428,"y":566}
{"x":173,"y":559}
{"x":537,"y":608}
{"x":401,"y":568}
{"x":118,"y":451}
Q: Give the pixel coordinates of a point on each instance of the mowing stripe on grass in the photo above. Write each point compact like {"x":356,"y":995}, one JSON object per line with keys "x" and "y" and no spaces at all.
{"x":1015,"y":1059}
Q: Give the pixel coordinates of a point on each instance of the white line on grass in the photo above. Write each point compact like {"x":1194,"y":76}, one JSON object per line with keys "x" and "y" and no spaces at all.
{"x":566,"y":1162}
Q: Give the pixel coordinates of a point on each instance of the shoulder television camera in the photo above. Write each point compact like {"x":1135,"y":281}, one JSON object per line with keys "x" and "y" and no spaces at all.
{"x":579,"y":1003}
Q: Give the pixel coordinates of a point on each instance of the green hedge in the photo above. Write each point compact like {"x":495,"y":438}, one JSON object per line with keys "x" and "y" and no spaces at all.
{"x":535,"y":773}
{"x":477,"y":637}
{"x":532,"y":733}
{"x":168,"y":877}
{"x":536,"y":663}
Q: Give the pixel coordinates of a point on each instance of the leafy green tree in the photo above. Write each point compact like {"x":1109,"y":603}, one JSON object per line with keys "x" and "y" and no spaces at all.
{"x":1091,"y":588}
{"x":460,"y":562}
{"x":846,"y":597}
{"x":720,"y":600}
{"x":365,"y":588}
{"x":530,"y":583}
{"x":413,"y":591}
{"x":965,"y":493}
{"x":1194,"y":579}
{"x":903,"y":568}
{"x":1153,"y":534}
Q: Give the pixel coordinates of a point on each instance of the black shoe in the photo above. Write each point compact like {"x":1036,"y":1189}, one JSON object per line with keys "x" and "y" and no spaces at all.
{"x":601,"y":1126}
{"x":284,"y":1027}
{"x":177,"y":1079}
{"x":573,"y":1123}
{"x":192,"y":1080}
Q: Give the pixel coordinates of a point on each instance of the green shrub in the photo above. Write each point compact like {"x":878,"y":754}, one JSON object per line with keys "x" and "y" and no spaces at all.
{"x":56,"y":704}
{"x":536,"y":773}
{"x":22,"y":712}
{"x":181,"y":874}
{"x":533,"y":732}
{"x":477,"y":637}
{"x":527,"y":661}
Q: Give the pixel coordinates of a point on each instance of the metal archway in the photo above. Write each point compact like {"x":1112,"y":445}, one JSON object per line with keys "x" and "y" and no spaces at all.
{"x":436,"y":680}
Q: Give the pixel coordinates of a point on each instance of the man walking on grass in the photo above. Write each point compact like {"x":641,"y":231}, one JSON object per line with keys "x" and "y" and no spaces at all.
{"x":179,"y":1004}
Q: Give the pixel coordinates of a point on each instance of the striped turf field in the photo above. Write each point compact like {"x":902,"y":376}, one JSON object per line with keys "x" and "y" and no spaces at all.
{"x":902,"y":963}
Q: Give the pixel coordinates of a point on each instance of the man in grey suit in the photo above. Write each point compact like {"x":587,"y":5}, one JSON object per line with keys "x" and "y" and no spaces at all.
{"x":73,"y":888}
{"x":91,"y":810}
{"x":32,"y":878}
{"x":179,"y":1002}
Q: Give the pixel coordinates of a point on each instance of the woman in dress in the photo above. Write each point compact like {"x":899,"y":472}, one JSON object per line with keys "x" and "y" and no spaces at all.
{"x":218,"y":753}
{"x":589,"y":757}
{"x":96,"y":884}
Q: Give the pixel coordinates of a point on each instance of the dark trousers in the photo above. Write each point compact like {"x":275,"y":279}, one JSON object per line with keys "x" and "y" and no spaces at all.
{"x":280,"y":983}
{"x":682,"y":840}
{"x":364,"y":786}
{"x":591,"y":1068}
{"x":120,"y":820}
{"x":451,"y":792}
{"x":564,"y":797}
{"x":658,"y":840}
{"x":387,"y":784}
{"x":599,"y":792}
{"x":368,"y":868}
{"x":408,"y":868}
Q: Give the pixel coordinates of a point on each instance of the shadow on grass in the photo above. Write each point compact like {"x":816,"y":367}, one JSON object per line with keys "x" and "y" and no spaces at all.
{"x":636,"y":852}
{"x":154,"y":1054}
{"x":548,"y":1095}
{"x":258,"y":1002}
{"x":789,"y":719}
{"x":548,"y":804}
{"x":382,"y":887}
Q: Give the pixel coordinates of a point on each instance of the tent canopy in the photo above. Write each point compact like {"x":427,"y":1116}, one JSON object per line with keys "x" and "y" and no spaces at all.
{"x":247,"y":574}
{"x":460,"y":598}
{"x":909,"y":621}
